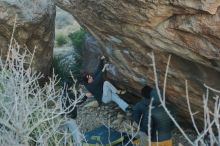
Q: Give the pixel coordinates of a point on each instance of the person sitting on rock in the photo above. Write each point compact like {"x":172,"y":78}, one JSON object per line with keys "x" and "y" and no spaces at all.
{"x":103,"y":91}
{"x":161,"y":124}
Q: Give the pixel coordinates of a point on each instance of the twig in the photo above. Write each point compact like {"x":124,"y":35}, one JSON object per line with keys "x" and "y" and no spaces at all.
{"x":189,"y":108}
{"x":163,"y":104}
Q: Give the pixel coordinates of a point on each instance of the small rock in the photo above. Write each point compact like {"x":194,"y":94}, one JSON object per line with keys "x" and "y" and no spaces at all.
{"x":105,"y":113}
{"x":116,"y":108}
{"x":120,"y":116}
{"x":105,"y":107}
{"x":91,"y":104}
{"x":117,"y":122}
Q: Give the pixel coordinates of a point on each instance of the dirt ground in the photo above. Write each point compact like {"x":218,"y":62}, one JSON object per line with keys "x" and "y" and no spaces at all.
{"x":90,"y":117}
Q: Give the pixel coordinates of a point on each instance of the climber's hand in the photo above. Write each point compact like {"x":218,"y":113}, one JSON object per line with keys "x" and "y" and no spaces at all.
{"x":103,"y":57}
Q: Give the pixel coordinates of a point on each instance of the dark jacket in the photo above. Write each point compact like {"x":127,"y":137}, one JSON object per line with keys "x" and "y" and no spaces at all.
{"x":96,"y":87}
{"x":160,"y":121}
{"x":68,"y":107}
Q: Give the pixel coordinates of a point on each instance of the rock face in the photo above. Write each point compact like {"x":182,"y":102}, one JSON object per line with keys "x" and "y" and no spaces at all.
{"x":34,"y":28}
{"x":130,"y":29}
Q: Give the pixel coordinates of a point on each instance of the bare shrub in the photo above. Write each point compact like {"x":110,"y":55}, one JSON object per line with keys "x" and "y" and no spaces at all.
{"x":30,"y":114}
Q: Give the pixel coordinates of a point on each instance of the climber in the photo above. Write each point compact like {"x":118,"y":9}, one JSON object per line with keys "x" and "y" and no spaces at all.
{"x":103,"y":91}
{"x":160,"y":126}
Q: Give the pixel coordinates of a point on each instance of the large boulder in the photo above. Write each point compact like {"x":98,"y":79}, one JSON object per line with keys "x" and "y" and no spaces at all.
{"x":130,"y":29}
{"x":34,"y":29}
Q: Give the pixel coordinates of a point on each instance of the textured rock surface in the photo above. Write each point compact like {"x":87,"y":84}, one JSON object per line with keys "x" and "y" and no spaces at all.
{"x":129,"y":29}
{"x":35,"y":28}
